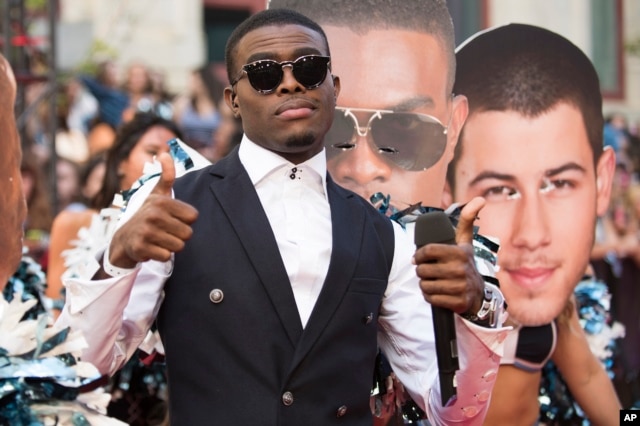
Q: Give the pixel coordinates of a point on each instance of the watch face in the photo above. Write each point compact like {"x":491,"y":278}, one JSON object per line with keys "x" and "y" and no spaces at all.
{"x":491,"y":310}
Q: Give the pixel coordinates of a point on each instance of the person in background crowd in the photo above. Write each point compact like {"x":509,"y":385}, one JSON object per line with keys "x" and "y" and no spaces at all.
{"x":71,"y":142}
{"x":144,"y":93}
{"x":68,"y":184}
{"x":83,"y":106}
{"x":138,"y":84}
{"x":37,"y":225}
{"x":198,"y":112}
{"x":136,"y":144}
{"x":112,"y":100}
{"x":616,"y":260}
{"x":138,"y":390}
{"x":101,"y":136}
{"x":69,"y":221}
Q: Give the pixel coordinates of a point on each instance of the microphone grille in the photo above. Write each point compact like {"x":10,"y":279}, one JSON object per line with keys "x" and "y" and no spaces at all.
{"x":434,"y":227}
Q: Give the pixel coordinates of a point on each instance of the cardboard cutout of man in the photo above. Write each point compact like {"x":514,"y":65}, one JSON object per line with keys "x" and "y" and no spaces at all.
{"x":532,"y":147}
{"x":396,"y":61}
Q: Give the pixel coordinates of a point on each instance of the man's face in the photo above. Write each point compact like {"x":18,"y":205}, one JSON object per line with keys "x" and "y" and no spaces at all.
{"x":13,"y":208}
{"x":401,"y":71}
{"x":292,"y":120}
{"x":543,"y":194}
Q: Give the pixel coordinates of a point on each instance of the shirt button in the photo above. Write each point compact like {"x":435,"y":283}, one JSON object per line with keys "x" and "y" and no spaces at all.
{"x":469,"y":411}
{"x":216,"y":295}
{"x":292,"y":176}
{"x":490,"y":376}
{"x":341,"y":411}
{"x":287,"y":398}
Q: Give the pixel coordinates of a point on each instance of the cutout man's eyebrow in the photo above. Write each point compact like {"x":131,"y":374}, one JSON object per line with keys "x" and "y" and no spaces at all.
{"x":565,"y":167}
{"x":412,"y":104}
{"x":489,"y":174}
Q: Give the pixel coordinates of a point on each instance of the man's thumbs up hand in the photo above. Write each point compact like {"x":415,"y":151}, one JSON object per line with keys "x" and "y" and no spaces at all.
{"x":167,"y":177}
{"x":160,"y":227}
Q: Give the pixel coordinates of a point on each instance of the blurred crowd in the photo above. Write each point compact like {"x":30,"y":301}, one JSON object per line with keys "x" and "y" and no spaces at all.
{"x":616,"y":253}
{"x":108,"y":128}
{"x":90,"y":109}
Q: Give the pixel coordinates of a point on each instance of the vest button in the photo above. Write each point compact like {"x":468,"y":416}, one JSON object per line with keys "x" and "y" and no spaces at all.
{"x":216,"y":295}
{"x":287,"y":398}
{"x":341,"y":411}
{"x":367,"y":319}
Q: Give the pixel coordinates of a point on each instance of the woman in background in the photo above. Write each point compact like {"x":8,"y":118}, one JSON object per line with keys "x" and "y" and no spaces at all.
{"x":197,"y":112}
{"x":68,"y":222}
{"x":136,"y":389}
{"x":37,"y":226}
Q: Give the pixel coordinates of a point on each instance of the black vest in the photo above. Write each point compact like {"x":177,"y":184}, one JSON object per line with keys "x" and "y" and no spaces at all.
{"x":239,"y":355}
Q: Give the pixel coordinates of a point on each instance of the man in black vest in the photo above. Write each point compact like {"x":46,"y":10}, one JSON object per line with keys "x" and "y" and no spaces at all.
{"x":273,"y":286}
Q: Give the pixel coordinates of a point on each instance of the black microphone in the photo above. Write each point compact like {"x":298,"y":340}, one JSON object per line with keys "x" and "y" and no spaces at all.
{"x":435,"y":227}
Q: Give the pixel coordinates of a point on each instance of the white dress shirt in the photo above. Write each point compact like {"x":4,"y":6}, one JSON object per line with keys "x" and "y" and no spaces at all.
{"x":294,"y":196}
{"x":298,"y":211}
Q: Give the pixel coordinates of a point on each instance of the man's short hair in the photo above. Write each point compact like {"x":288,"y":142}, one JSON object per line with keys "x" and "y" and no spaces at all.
{"x":360,"y":16}
{"x":266,"y":18}
{"x":528,"y":70}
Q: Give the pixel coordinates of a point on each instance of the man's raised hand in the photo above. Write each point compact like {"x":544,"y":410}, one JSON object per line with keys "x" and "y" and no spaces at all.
{"x":448,"y":276}
{"x":160,"y":227}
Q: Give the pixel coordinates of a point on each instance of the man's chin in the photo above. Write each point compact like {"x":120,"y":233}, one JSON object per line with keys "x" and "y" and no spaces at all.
{"x":534,"y":314}
{"x":301,"y":140}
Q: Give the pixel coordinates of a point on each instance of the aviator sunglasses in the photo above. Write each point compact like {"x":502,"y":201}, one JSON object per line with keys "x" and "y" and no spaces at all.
{"x":265,"y":75}
{"x":411,"y":140}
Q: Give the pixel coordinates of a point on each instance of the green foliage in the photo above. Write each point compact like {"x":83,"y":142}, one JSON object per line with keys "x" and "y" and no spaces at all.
{"x":36,"y":5}
{"x":633,"y":47}
{"x":100,"y":51}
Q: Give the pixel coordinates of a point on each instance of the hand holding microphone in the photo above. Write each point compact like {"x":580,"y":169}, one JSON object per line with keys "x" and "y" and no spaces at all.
{"x":449,"y":282}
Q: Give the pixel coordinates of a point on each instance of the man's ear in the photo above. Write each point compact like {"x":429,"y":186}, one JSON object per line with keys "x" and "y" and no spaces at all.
{"x":605,"y":170}
{"x":447,"y":196}
{"x":230,"y":99}
{"x":336,"y":87}
{"x":459,"y":112}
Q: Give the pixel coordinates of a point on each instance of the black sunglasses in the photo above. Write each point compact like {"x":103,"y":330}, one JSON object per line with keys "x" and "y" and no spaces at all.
{"x":411,"y":140}
{"x":265,"y":75}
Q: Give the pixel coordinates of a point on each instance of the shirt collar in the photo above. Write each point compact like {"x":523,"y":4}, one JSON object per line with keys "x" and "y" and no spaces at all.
{"x":260,"y":162}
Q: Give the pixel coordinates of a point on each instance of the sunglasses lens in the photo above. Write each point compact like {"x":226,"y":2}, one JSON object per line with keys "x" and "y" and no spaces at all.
{"x":310,"y":71}
{"x":412,"y":141}
{"x":264,"y":76}
{"x":340,"y":136}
